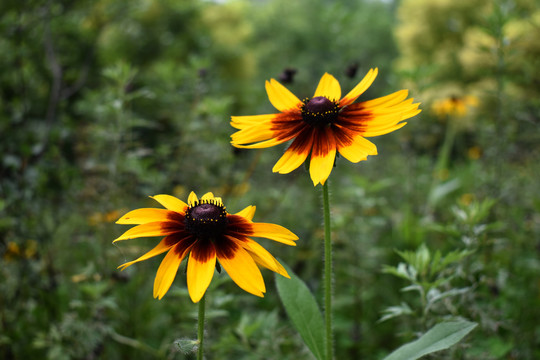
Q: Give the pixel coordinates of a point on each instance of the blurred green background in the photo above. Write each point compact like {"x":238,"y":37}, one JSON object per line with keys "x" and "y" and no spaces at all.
{"x":106,"y":102}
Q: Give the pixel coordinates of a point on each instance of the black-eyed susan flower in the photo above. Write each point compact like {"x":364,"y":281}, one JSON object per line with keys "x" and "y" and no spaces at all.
{"x":323,"y":125}
{"x":454,"y":105}
{"x":205,"y":232}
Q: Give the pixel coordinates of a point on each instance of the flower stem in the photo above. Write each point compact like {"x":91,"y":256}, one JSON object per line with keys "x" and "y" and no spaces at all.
{"x":200,"y":331}
{"x":446,"y":149}
{"x":327,"y":273}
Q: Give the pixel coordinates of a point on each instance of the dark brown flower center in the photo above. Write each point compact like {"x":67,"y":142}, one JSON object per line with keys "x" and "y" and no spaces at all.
{"x":320,"y":111}
{"x":206,"y":219}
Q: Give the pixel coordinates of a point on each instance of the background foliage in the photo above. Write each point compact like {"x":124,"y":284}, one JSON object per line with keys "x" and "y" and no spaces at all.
{"x":106,"y":102}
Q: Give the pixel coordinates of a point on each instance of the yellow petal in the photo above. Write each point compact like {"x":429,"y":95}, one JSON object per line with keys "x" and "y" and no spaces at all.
{"x":387,"y":100}
{"x":290,"y":161}
{"x":247,"y":213}
{"x":171,"y":203}
{"x":199,"y":274}
{"x":320,"y":167}
{"x":264,"y":258}
{"x":382,"y":130}
{"x":158,"y":228}
{"x":192,"y":198}
{"x":263,"y":144}
{"x":360,"y":88}
{"x":144,"y":215}
{"x":160,"y":248}
{"x":167,"y":272}
{"x":280,"y":96}
{"x":328,"y":87}
{"x":208,"y":196}
{"x":358,"y":150}
{"x":252,"y":134}
{"x":244,"y":271}
{"x":240,"y":122}
{"x":274,"y":232}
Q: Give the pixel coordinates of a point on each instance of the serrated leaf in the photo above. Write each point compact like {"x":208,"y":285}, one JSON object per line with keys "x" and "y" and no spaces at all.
{"x":303,"y":312}
{"x":440,"y":337}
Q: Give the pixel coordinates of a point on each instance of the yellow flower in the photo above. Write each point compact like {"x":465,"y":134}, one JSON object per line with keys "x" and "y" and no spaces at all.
{"x":474,"y":153}
{"x":13,"y":251}
{"x":454,"y":106}
{"x":323,"y":125}
{"x":111,"y":216}
{"x":205,"y":231}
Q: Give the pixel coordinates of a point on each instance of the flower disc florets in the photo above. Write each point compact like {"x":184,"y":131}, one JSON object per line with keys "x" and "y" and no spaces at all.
{"x":319,"y":111}
{"x":206,"y":219}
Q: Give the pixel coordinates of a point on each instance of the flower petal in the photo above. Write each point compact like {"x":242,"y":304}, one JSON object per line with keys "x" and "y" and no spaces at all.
{"x":382,"y":130}
{"x":167,"y":270}
{"x":263,"y":257}
{"x":323,"y":155}
{"x":200,"y":270}
{"x":171,"y":203}
{"x":247,"y":213}
{"x":240,"y":122}
{"x":252,"y":134}
{"x":243,"y":270}
{"x":192,"y":199}
{"x":360,"y":88}
{"x":280,"y":96}
{"x":274,"y":232}
{"x":329,"y":88}
{"x":290,"y":161}
{"x":320,"y":167}
{"x":146,"y":215}
{"x":296,"y":154}
{"x":388,"y":100}
{"x":208,"y":196}
{"x":164,"y":245}
{"x":358,"y":150}
{"x":158,"y":228}
{"x":263,"y":144}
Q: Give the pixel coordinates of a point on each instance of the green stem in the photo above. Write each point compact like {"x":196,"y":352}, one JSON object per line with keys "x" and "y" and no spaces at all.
{"x":200,"y":332}
{"x":444,"y":154}
{"x":327,"y":273}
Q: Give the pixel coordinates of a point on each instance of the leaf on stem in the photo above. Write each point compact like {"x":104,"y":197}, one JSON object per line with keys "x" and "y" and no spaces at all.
{"x":303,"y":312}
{"x":440,"y":337}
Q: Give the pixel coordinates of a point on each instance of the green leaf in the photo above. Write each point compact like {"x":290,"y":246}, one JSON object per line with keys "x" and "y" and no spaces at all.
{"x":187,"y":346}
{"x":395,"y":311}
{"x":303,"y":312}
{"x":440,"y":337}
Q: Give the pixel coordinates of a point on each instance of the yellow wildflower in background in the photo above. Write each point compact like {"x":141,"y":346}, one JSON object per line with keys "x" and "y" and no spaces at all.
{"x":323,"y":125}
{"x":454,"y":106}
{"x":100,"y":218}
{"x":27,"y":250}
{"x":205,"y":231}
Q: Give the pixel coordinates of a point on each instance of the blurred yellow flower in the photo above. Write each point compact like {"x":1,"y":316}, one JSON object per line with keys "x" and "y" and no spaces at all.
{"x":467,"y":199}
{"x":108,"y":217}
{"x":474,"y":153}
{"x":454,"y":106}
{"x":30,"y":249}
{"x":111,"y":216}
{"x":12,"y":251}
{"x":15,"y":251}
